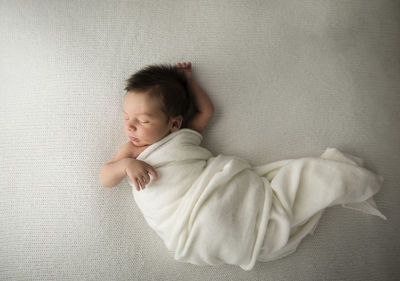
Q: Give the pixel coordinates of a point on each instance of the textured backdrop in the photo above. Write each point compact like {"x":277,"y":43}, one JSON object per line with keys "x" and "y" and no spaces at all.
{"x":287,"y":78}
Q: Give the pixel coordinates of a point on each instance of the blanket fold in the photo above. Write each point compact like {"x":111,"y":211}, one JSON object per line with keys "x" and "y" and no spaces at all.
{"x":213,"y":210}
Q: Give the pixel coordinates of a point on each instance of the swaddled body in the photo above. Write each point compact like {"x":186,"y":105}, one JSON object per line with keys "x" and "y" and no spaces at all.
{"x":214,"y":210}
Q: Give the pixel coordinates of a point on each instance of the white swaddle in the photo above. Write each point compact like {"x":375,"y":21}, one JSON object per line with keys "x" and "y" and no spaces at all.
{"x":214,"y":210}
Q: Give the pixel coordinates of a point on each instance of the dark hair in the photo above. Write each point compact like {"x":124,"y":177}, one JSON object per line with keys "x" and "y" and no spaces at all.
{"x":165,"y":82}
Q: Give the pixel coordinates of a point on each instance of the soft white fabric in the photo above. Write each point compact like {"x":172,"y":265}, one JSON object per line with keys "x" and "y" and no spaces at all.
{"x":213,"y":210}
{"x":290,"y":77}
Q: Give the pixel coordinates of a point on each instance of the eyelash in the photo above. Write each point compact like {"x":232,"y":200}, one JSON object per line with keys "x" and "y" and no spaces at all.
{"x":142,"y":122}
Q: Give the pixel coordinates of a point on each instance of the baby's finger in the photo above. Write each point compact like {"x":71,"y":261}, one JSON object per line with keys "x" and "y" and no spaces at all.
{"x":146,"y":178}
{"x":136,"y":183}
{"x":141,"y":183}
{"x":152,"y":171}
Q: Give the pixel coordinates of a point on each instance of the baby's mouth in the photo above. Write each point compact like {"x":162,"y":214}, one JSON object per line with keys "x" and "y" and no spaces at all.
{"x":134,"y":139}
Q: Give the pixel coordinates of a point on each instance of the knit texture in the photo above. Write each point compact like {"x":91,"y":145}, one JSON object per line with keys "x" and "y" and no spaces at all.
{"x":291,"y":77}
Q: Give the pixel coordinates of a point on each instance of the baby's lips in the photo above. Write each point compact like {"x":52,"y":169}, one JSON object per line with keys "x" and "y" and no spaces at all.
{"x":134,"y":139}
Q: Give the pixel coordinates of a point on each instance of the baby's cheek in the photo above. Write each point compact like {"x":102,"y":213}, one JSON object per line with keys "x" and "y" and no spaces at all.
{"x":143,"y":133}
{"x":153,"y":134}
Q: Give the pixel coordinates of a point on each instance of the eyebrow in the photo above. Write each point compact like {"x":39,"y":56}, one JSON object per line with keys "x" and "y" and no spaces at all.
{"x":148,"y":114}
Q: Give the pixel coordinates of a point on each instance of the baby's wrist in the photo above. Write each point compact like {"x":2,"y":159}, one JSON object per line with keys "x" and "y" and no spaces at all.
{"x":126,"y":162}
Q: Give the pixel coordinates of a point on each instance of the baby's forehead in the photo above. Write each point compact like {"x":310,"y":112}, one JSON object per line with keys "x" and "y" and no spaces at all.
{"x":142,"y":99}
{"x":139,"y":104}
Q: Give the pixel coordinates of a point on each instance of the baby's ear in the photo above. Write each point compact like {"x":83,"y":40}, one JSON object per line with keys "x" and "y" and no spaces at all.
{"x":176,"y":123}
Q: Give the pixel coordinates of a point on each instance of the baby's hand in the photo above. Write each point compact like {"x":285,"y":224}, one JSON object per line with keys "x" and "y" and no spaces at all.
{"x":186,"y":68}
{"x":138,"y":171}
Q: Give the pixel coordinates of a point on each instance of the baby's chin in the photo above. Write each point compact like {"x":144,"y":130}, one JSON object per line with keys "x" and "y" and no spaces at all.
{"x":137,"y":142}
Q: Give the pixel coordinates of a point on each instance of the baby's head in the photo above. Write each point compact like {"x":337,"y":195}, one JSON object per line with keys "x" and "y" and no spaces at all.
{"x":156,"y":104}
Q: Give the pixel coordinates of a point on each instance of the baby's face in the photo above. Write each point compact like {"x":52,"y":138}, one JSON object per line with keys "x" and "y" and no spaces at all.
{"x":145,"y":122}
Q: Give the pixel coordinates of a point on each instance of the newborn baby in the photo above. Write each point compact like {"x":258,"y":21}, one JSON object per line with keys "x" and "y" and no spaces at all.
{"x":157,"y":103}
{"x":214,"y":210}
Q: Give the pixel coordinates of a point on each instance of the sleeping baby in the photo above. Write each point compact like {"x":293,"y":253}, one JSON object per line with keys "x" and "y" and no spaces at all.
{"x":212,"y":210}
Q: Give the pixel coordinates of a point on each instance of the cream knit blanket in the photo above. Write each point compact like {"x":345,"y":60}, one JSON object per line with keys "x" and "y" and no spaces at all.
{"x":214,"y":210}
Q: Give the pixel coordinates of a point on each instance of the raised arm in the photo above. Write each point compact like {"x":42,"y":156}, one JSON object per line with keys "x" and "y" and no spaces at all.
{"x":204,"y":106}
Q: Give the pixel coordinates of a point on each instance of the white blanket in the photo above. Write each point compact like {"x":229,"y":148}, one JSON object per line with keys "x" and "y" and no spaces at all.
{"x":214,"y":210}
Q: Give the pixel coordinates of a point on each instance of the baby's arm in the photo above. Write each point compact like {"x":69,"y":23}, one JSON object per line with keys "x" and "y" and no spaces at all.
{"x":122,"y":165}
{"x":204,"y":106}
